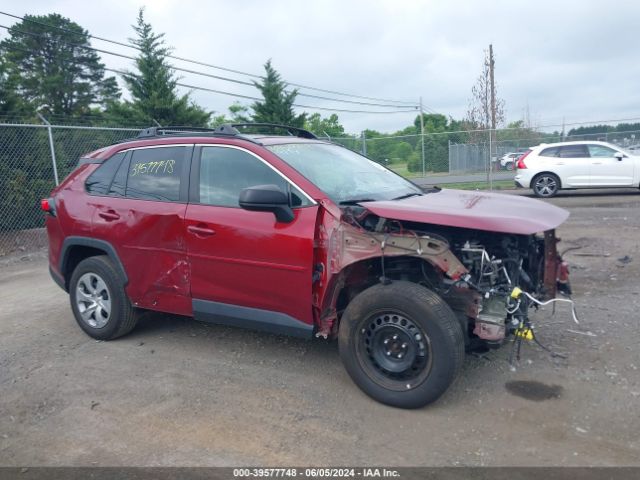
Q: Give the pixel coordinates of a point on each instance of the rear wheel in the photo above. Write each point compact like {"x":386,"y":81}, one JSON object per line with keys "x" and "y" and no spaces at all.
{"x":401,"y":344}
{"x":98,"y":300}
{"x":510,"y":166}
{"x":546,"y":185}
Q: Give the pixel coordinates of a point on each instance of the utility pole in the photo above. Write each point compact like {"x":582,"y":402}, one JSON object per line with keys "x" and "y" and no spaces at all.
{"x":424,"y":171}
{"x":492,"y":132}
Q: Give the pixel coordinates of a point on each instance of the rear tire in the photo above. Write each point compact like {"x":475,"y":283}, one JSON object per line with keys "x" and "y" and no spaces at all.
{"x":98,"y":300}
{"x":401,"y":344}
{"x":545,"y":185}
{"x":510,"y":166}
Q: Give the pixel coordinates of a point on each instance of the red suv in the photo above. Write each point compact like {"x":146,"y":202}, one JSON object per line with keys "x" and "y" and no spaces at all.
{"x":299,"y":236}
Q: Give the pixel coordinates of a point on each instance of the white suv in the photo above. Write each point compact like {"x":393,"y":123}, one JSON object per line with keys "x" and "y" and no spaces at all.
{"x":508,"y":160}
{"x":550,"y":167}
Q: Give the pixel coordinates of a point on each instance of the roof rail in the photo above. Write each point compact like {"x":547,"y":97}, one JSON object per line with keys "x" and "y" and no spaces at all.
{"x":235,"y":129}
{"x":174,"y":130}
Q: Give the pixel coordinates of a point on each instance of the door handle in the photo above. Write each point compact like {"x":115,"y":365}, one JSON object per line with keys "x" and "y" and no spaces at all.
{"x":109,"y":215}
{"x":596,"y":163}
{"x":201,"y":230}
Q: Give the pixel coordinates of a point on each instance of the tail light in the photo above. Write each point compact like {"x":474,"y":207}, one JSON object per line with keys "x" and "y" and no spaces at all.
{"x":48,"y":205}
{"x":520,"y":165}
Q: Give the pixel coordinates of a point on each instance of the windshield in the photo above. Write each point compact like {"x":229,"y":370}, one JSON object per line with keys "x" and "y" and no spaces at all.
{"x":343,"y":175}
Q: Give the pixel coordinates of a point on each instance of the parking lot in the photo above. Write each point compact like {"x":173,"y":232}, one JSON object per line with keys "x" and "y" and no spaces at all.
{"x":178,"y":392}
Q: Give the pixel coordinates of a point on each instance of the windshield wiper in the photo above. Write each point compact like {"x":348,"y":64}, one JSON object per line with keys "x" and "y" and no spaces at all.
{"x":412,"y":194}
{"x":355,"y":201}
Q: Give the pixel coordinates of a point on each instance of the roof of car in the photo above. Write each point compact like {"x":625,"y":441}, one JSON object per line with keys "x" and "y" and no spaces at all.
{"x":574,"y":142}
{"x":149,"y":138}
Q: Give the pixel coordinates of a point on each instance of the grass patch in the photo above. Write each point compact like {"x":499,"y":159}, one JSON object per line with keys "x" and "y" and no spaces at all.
{"x":401,"y":169}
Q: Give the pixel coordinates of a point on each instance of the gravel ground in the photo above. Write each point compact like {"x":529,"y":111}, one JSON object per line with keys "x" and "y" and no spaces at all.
{"x":178,"y":392}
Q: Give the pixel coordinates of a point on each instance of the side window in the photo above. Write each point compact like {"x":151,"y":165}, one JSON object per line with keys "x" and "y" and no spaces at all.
{"x":600,"y":151}
{"x":574,"y":151}
{"x":155,"y":173}
{"x":549,"y":152}
{"x":99,"y":181}
{"x":225,"y":172}
{"x":119,"y":184}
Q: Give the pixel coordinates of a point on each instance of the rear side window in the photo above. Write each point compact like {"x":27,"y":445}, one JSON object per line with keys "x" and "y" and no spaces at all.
{"x":549,"y":152}
{"x":119,"y":183}
{"x":156,"y":173}
{"x":574,"y":151}
{"x":225,"y":172}
{"x":99,"y":181}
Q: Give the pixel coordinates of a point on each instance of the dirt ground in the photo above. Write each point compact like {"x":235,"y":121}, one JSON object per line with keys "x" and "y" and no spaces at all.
{"x":178,"y":392}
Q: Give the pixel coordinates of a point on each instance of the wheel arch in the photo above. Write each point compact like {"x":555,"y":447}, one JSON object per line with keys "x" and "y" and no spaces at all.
{"x":75,"y":249}
{"x":546,"y":172}
{"x":359,"y":276}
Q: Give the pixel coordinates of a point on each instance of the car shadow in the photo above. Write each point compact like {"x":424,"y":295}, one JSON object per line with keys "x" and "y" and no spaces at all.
{"x":153,"y":325}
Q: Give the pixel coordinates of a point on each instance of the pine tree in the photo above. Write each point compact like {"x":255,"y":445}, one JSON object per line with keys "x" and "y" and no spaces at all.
{"x":153,"y":87}
{"x":277,"y":106}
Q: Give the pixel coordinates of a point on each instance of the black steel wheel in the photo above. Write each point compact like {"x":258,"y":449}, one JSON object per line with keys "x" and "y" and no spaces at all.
{"x":401,"y":344}
{"x":394,"y":349}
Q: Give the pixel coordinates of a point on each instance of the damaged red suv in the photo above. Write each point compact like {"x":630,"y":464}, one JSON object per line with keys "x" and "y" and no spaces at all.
{"x":298,"y":236}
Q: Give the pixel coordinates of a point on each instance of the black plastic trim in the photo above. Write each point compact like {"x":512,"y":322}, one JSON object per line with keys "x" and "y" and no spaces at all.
{"x":94,"y":243}
{"x":252,"y":318}
{"x":58,"y":279}
{"x":232,"y":129}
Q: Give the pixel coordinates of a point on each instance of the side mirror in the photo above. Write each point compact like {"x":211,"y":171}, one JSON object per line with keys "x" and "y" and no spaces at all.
{"x":267,"y":198}
{"x":619,"y":155}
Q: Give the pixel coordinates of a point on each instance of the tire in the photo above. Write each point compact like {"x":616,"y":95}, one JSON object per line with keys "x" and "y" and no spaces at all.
{"x":510,"y":166}
{"x":98,"y":300}
{"x":545,"y":185}
{"x":402,"y":318}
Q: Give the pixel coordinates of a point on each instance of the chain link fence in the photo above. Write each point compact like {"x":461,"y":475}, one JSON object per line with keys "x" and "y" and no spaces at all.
{"x":467,"y":153}
{"x":31,"y":158}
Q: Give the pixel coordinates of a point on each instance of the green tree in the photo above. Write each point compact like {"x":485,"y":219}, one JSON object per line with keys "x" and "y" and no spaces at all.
{"x":328,"y":126}
{"x":12,"y":105}
{"x":277,"y":106}
{"x":49,"y":66}
{"x":153,"y":87}
{"x":51,"y":69}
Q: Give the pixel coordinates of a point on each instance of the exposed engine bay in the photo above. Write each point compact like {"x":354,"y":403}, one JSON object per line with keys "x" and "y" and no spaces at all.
{"x":489,"y":279}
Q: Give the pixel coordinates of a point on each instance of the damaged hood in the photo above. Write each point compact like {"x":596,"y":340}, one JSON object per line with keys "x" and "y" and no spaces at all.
{"x":492,"y":212}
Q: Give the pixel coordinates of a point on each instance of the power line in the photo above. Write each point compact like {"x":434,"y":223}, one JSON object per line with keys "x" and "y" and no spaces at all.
{"x":195,"y":72}
{"x":239,"y":72}
{"x":248,"y":97}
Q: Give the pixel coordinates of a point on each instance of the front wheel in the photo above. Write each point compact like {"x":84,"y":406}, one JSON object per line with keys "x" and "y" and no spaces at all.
{"x":546,"y":185}
{"x":401,"y":344}
{"x":510,"y":166}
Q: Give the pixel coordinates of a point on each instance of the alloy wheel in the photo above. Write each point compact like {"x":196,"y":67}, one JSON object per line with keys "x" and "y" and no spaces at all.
{"x":93,"y":300}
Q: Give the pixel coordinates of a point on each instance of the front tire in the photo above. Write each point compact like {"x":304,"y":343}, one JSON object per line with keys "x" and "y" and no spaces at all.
{"x":401,"y":344}
{"x":545,"y":185}
{"x":98,"y":300}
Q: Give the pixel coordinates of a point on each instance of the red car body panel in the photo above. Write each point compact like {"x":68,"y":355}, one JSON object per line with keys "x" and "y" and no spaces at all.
{"x":149,"y":238}
{"x":252,"y":260}
{"x":475,"y":210}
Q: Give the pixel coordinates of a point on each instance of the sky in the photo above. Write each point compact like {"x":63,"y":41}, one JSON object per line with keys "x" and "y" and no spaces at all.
{"x":560,"y":61}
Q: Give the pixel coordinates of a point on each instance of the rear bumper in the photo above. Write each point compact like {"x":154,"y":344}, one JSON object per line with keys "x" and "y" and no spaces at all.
{"x":521,"y":181}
